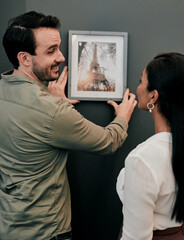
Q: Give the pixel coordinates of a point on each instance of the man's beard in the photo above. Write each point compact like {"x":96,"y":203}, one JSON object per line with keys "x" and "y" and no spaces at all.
{"x":44,"y":75}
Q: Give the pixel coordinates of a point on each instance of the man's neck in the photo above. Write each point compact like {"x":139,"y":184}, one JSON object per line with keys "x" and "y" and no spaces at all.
{"x":26,"y":73}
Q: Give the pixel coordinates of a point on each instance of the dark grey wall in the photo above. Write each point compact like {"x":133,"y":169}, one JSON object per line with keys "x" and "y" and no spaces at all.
{"x":153,"y":26}
{"x":8,"y":9}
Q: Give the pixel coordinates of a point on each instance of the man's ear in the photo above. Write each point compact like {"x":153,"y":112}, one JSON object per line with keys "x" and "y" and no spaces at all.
{"x":23,"y":58}
{"x":154,"y":95}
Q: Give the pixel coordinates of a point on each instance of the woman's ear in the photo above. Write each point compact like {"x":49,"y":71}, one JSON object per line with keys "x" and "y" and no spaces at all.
{"x":23,"y":59}
{"x":154,"y":95}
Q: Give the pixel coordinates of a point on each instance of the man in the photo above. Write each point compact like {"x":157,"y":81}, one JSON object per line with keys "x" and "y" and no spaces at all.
{"x":37,"y":129}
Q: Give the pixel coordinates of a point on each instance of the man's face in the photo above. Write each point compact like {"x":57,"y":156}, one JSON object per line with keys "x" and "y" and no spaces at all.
{"x":45,"y":64}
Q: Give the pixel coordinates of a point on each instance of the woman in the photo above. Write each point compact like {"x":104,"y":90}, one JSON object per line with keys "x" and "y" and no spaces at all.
{"x":151,"y":186}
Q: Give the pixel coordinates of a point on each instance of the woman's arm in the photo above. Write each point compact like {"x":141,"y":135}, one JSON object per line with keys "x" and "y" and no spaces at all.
{"x":140,"y":194}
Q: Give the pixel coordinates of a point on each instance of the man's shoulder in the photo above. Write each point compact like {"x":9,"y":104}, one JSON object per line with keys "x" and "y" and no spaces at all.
{"x":28,"y":93}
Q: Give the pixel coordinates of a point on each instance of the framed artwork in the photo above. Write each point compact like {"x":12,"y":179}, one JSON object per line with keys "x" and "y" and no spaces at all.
{"x":97,"y":65}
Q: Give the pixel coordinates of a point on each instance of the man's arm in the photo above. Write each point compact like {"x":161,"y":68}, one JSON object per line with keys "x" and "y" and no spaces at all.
{"x":124,"y":109}
{"x":72,"y":131}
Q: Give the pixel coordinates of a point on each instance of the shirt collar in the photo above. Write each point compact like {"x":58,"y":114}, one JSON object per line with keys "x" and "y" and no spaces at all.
{"x":9,"y":77}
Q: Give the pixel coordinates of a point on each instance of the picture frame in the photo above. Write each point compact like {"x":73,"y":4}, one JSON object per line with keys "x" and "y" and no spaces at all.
{"x":97,"y":65}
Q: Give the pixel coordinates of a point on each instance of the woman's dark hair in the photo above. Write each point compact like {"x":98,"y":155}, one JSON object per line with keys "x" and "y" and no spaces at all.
{"x":165,"y":73}
{"x":19,"y":35}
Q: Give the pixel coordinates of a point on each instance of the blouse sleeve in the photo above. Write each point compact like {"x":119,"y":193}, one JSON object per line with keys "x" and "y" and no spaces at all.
{"x":140,"y":195}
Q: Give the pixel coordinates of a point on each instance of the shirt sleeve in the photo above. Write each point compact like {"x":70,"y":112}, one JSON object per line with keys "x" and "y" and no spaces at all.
{"x":72,"y":131}
{"x":139,"y":197}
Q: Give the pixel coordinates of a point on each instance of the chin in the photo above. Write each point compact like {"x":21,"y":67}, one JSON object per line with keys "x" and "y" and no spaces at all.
{"x":53,"y":77}
{"x":140,"y":107}
{"x":56,"y":76}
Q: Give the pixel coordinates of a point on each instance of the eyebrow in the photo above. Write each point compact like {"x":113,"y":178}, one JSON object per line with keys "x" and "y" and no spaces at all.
{"x":52,"y":46}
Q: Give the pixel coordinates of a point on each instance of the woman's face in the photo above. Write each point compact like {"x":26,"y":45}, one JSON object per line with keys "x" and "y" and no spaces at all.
{"x":142,"y":92}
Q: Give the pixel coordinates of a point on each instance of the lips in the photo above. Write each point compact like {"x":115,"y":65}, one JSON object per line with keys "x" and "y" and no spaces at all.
{"x":55,"y":68}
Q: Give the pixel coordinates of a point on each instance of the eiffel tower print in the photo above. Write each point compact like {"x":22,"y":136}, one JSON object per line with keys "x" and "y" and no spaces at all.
{"x":96,"y":79}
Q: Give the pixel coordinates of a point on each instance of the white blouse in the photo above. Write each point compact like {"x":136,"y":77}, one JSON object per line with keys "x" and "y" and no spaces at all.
{"x":146,"y":187}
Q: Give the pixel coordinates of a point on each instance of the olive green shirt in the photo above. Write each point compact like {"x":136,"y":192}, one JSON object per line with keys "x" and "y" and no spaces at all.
{"x":36,"y":131}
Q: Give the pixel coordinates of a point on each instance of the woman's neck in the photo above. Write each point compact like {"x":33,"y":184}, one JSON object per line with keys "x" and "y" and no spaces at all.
{"x":161,"y":123}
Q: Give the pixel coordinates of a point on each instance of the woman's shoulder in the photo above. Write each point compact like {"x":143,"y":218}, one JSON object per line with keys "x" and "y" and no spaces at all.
{"x":155,"y":152}
{"x":154,"y":144}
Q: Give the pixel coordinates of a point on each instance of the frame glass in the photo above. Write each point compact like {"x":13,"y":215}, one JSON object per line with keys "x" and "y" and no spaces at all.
{"x":97,"y":65}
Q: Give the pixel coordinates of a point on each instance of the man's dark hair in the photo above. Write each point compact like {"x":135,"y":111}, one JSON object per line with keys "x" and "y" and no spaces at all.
{"x":19,"y":35}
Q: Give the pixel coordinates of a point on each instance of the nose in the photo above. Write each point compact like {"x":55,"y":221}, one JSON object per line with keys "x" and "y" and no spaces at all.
{"x":60,"y":57}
